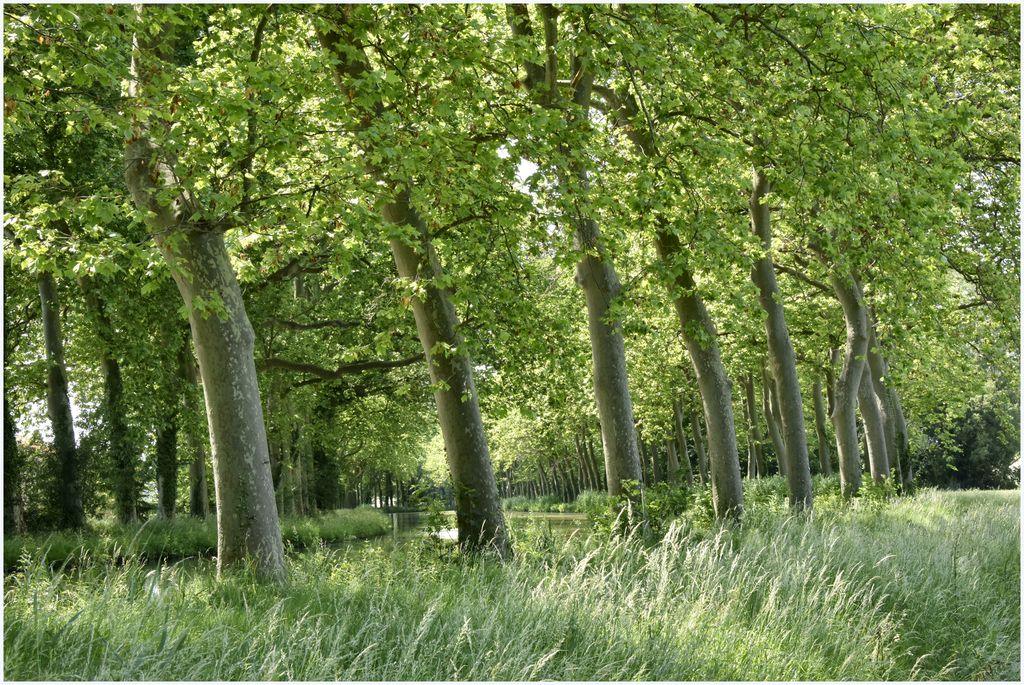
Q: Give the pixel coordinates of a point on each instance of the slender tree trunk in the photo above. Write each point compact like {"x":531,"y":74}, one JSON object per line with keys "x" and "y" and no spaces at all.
{"x":14,"y":517}
{"x":656,"y":471}
{"x":874,"y":427}
{"x":824,"y":453}
{"x":602,"y":479}
{"x":478,"y":513}
{"x":780,"y":354}
{"x":124,"y":455}
{"x":897,"y":445}
{"x":199,"y":496}
{"x":698,"y":444}
{"x":701,"y":339}
{"x":753,"y":427}
{"x":673,"y":461}
{"x":167,"y":467}
{"x":247,"y":523}
{"x":844,"y":415}
{"x":68,"y":470}
{"x":600,"y":285}
{"x":680,"y":430}
{"x":771,"y":420}
{"x":477,"y":507}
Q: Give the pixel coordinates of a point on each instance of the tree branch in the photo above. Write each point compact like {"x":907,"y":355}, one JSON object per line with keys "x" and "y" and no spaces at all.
{"x":334,"y":374}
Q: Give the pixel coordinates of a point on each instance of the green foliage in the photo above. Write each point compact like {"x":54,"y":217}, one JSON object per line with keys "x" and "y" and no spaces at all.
{"x":920,"y":588}
{"x":179,"y":538}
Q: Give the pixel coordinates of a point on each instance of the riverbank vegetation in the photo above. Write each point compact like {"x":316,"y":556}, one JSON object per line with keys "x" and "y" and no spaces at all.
{"x":180,"y":538}
{"x":914,"y":588}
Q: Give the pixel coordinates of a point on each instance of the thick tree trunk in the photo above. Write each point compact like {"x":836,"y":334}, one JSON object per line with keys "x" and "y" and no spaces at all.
{"x":824,"y":452}
{"x":698,"y":444}
{"x":874,"y":427}
{"x":14,"y":516}
{"x":68,"y":495}
{"x":716,"y":394}
{"x":684,"y":449}
{"x":844,"y":414}
{"x":124,"y":455}
{"x":753,"y":429}
{"x":477,"y":507}
{"x":247,"y":523}
{"x":167,"y":467}
{"x":771,"y":419}
{"x":780,"y":354}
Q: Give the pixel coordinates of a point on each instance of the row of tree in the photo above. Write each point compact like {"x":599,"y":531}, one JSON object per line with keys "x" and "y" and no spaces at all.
{"x":308,"y":175}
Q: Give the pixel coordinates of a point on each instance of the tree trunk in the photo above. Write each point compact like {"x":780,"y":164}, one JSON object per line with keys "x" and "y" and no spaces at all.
{"x":68,"y":470}
{"x":790,"y":410}
{"x":124,"y":455}
{"x":698,"y":444}
{"x":247,"y":523}
{"x":824,"y":453}
{"x":716,"y":394}
{"x":199,"y":495}
{"x":478,"y":512}
{"x":680,"y":430}
{"x":167,"y":467}
{"x":874,"y":427}
{"x":673,"y":461}
{"x":753,"y":428}
{"x":844,"y":415}
{"x":14,"y":516}
{"x":897,"y":445}
{"x":771,"y":419}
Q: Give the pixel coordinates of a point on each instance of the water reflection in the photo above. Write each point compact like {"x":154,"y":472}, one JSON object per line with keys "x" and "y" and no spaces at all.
{"x":409,"y":525}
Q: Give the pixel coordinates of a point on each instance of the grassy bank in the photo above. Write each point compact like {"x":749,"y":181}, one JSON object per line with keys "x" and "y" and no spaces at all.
{"x":922,"y":588}
{"x":179,"y":538}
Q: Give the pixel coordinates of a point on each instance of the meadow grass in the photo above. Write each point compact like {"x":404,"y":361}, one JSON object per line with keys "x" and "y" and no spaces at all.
{"x":179,"y":538}
{"x":917,"y":588}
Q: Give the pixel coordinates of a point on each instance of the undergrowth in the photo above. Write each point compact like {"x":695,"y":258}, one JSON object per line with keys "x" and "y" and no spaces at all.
{"x":915,"y":588}
{"x":179,"y":538}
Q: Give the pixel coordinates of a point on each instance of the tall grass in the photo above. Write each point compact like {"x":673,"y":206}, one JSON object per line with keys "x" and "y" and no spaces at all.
{"x":921,"y":588}
{"x":178,"y":538}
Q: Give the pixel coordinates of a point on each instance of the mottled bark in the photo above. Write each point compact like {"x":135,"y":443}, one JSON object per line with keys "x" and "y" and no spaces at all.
{"x":781,"y":356}
{"x":247,"y":523}
{"x":478,"y":511}
{"x":824,"y":452}
{"x":596,"y":276}
{"x":874,"y":426}
{"x":477,"y":507}
{"x":67,"y":468}
{"x":844,"y":414}
{"x":701,"y":340}
{"x":595,"y":273}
